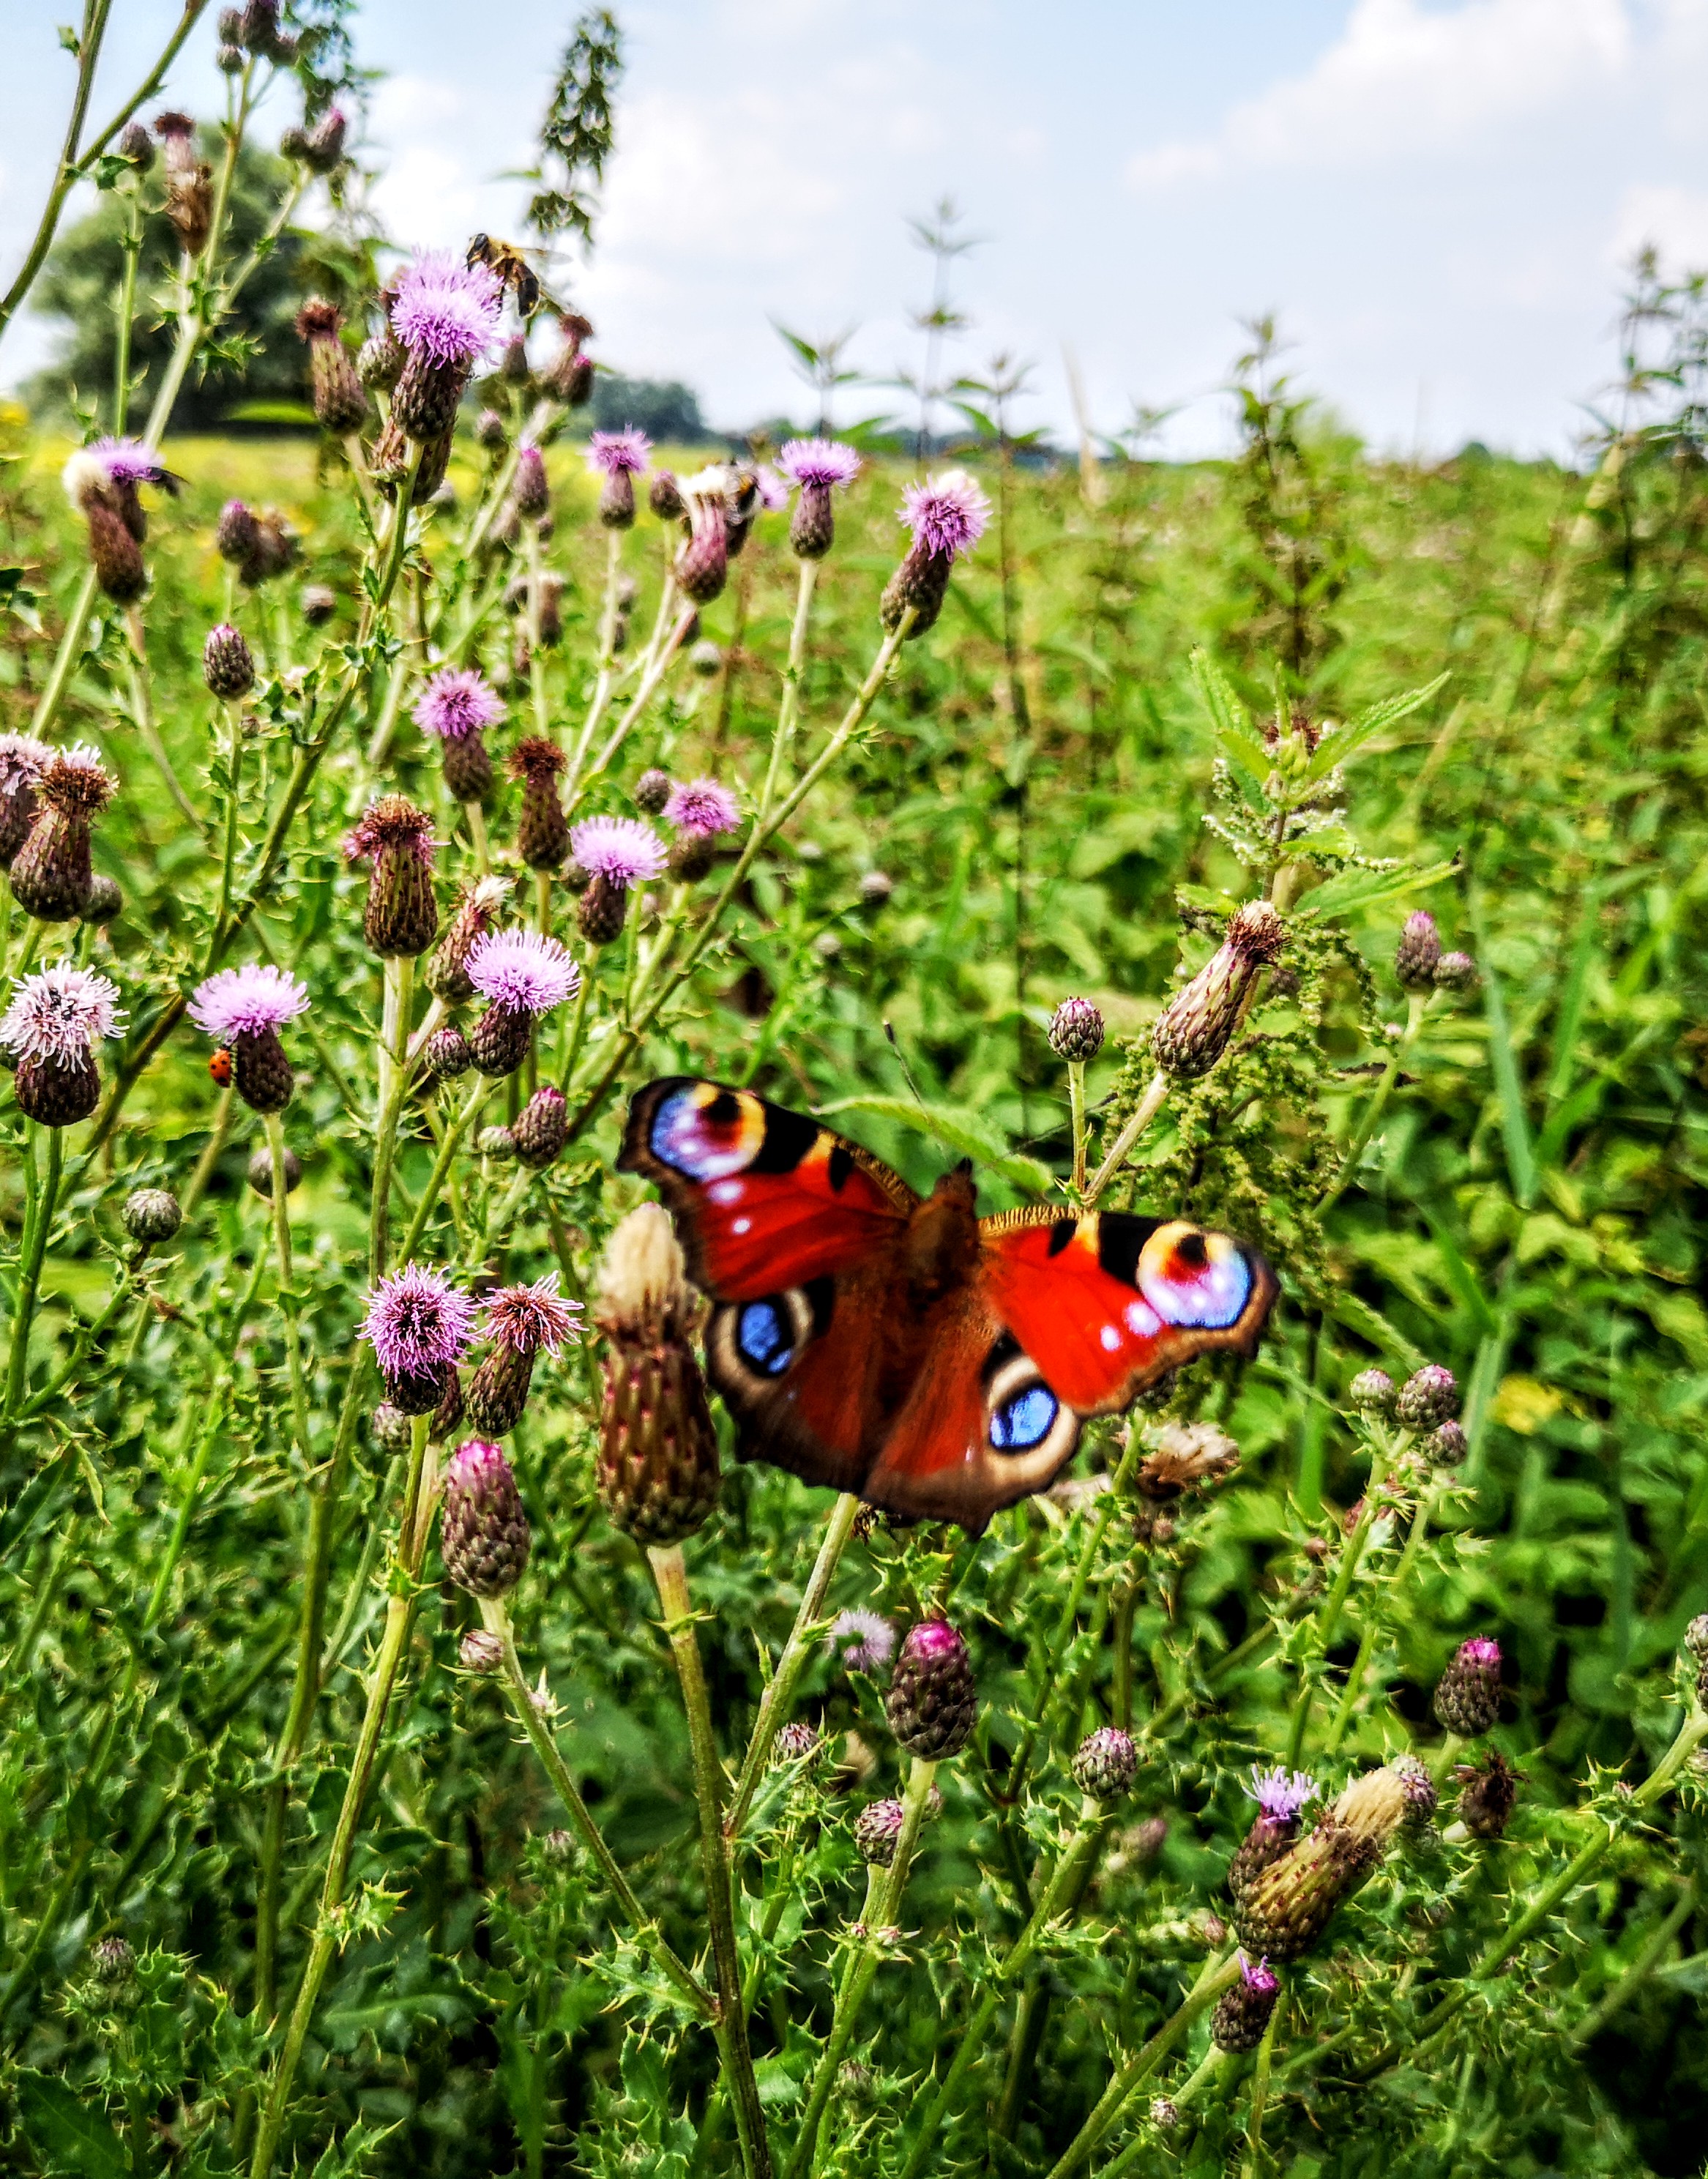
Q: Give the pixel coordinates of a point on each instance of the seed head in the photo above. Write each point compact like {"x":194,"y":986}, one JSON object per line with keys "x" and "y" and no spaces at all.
{"x":73,"y":782}
{"x":1488,"y":1792}
{"x":1198,"y":1024}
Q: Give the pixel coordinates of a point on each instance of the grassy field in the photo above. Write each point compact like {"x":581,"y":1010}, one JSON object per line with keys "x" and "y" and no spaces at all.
{"x":1034,"y":784}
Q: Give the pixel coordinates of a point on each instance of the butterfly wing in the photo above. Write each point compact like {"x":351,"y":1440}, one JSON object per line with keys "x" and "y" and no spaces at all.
{"x":793,"y":1232}
{"x":1068,"y":1317}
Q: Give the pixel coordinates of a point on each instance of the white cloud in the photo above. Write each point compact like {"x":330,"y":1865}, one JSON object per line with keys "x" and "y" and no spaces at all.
{"x":1674,"y":220}
{"x":1403,"y":78}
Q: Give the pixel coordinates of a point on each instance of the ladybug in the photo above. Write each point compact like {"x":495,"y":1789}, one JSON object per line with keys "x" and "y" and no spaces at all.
{"x":219,"y":1066}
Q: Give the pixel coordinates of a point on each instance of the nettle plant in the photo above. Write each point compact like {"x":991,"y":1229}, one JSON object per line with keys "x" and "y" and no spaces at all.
{"x":1010,"y":1845}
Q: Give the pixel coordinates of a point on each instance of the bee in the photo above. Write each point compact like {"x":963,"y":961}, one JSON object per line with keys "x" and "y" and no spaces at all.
{"x":219,"y":1066}
{"x":510,"y":263}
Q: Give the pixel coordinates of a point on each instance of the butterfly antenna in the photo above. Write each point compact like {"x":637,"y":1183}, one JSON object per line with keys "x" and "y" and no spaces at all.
{"x":907,"y":1072}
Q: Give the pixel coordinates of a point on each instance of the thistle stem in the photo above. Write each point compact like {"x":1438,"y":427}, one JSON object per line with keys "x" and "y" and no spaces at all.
{"x":670,"y":1575}
{"x":233,"y":776}
{"x":1417,"y":1005}
{"x":1149,"y":1105}
{"x":288,"y":1303}
{"x":65,"y":658}
{"x":1076,"y":1108}
{"x":39,"y":1227}
{"x":399,"y":974}
{"x":788,"y":711}
{"x":1329,"y":1617}
{"x":779,"y":1694}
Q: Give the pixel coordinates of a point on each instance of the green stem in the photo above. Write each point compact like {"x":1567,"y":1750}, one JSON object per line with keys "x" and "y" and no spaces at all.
{"x":779,"y":1694}
{"x":400,"y":1614}
{"x":1149,"y":1105}
{"x":1201,"y":2076}
{"x":233,"y":779}
{"x":788,"y":711}
{"x":399,"y":970}
{"x":65,"y":658}
{"x":127,"y":308}
{"x":670,"y":1575}
{"x":186,"y":1512}
{"x":1076,"y":1108}
{"x":442,"y":1164}
{"x":88,"y":43}
{"x":494,"y":1614}
{"x":142,"y":711}
{"x":1417,"y":1005}
{"x":1640,"y":1968}
{"x":35,"y":1251}
{"x":288,"y":1300}
{"x":1402,"y":1574}
{"x":1328,"y":1618}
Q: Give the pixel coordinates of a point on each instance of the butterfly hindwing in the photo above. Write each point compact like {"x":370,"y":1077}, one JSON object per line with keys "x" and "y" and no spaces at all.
{"x":765,"y":1200}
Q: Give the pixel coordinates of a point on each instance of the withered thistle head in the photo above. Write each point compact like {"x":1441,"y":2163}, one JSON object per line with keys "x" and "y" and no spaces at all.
{"x":658,"y":1463}
{"x":395,"y":838}
{"x":1198,"y":1022}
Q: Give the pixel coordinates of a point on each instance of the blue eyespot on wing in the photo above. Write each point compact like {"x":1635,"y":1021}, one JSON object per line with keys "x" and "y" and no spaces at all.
{"x":1024,"y":1419}
{"x":763,"y":1339}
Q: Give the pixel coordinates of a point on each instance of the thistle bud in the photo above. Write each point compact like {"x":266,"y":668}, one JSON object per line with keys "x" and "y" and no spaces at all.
{"x":1488,"y":1792}
{"x":1198,"y":1022}
{"x":877,"y":887}
{"x":490,"y":432}
{"x":447,"y":1418}
{"x":103,"y":902}
{"x":227,"y":666}
{"x":325,"y":150}
{"x":1243,"y":2010}
{"x":340,"y":404}
{"x":531,"y":493}
{"x":1455,"y":972}
{"x":137,"y":145}
{"x":261,"y":1172}
{"x":237,"y":534}
{"x":1696,"y":1637}
{"x":567,"y":379}
{"x":380,"y":361}
{"x":151,"y":1216}
{"x":51,"y":872}
{"x":395,"y":839}
{"x":932,"y":1700}
{"x":1281,"y":1797}
{"x":228,"y":59}
{"x":664,"y":497}
{"x":1372,"y":1393}
{"x":542,"y":1127}
{"x":113,"y":1961}
{"x":1428,"y":1397}
{"x":1076,"y":1030}
{"x":658,"y":1463}
{"x":876,"y":1829}
{"x":477,"y":912}
{"x":1417,"y":953}
{"x":652,"y":791}
{"x":542,"y":832}
{"x":1446,"y":1447}
{"x":497,"y":1144}
{"x":389,"y":1428}
{"x":484,"y":1538}
{"x":446,"y":1054}
{"x":797,"y":1744}
{"x":1106,"y":1762}
{"x":480,"y":1652}
{"x":1468,"y":1695}
{"x":1164,"y":2114}
{"x":1288,"y":1904}
{"x":1418,"y":1788}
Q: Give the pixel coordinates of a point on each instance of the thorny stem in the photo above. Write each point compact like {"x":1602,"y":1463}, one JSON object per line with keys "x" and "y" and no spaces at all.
{"x":670,"y":1575}
{"x":234,"y":777}
{"x":1076,"y":1108}
{"x":779,"y":1693}
{"x":1640,"y":1968}
{"x":1149,"y":1105}
{"x":400,"y":1613}
{"x":126,"y":311}
{"x":879,"y":1923}
{"x":495,"y":1615}
{"x":1402,"y":1574}
{"x":142,"y":711}
{"x":287,"y":1295}
{"x":637,"y":704}
{"x":1199,"y":2078}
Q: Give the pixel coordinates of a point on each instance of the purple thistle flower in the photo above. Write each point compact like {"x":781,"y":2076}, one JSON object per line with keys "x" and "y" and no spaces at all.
{"x":522,"y":972}
{"x":447,"y":311}
{"x":417,"y":1323}
{"x":618,"y":453}
{"x":455,"y":704}
{"x":947,"y":513}
{"x":1282,"y":1793}
{"x":1481,"y":1651}
{"x":822,"y":462}
{"x":58,"y":1013}
{"x":247,"y":1001}
{"x":622,"y":850}
{"x":531,"y":1319}
{"x":23,"y":759}
{"x":861,"y":1641}
{"x":702,"y":809}
{"x":772,"y":489}
{"x":127,"y":461}
{"x":1261,"y":1978}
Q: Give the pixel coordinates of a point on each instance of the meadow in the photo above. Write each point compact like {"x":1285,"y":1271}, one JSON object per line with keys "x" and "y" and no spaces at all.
{"x":324,"y":1845}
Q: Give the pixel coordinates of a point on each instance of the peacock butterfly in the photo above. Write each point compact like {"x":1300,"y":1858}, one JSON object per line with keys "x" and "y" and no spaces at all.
{"x":938,"y":1363}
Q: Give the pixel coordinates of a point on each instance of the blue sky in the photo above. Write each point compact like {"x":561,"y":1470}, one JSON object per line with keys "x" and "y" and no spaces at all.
{"x":1435,"y":195}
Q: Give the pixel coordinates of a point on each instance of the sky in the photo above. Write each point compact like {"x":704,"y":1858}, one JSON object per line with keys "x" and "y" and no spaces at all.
{"x":1436,"y":198}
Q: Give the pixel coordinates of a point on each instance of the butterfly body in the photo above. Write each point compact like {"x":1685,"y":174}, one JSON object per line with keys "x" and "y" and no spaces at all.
{"x":937,"y":1364}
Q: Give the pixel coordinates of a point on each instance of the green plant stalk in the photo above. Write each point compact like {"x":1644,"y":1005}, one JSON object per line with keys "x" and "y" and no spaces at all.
{"x":233,"y":811}
{"x":637,"y":704}
{"x":788,"y":710}
{"x":66,"y":173}
{"x":442,"y":1164}
{"x":1417,"y":1005}
{"x":670,"y":1575}
{"x":494,"y":1617}
{"x":211,"y":1153}
{"x":1259,"y":2096}
{"x":288,"y":1304}
{"x":1076,"y":1111}
{"x":186,"y":1512}
{"x":398,"y":972}
{"x":38,"y":1227}
{"x":862,"y":1966}
{"x":127,"y":310}
{"x":400,"y":1614}
{"x":1214,"y":1978}
{"x":631,"y":1037}
{"x":1328,"y":1618}
{"x":537,"y":663}
{"x":1639,"y":1970}
{"x":1402,"y":1574}
{"x":142,"y":711}
{"x":775,"y":1703}
{"x":1149,"y":1105}
{"x":65,"y":658}
{"x":1060,"y":1896}
{"x":1201,"y":2076}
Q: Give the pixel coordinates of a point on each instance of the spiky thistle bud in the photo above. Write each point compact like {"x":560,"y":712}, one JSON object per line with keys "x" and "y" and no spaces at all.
{"x":1468,"y":1695}
{"x":1106,"y":1762}
{"x":1455,"y":972}
{"x":447,"y":1418}
{"x":477,"y":914}
{"x":932,"y":1700}
{"x":1488,"y":1794}
{"x":542,"y":1127}
{"x":1418,"y":1788}
{"x":1696,"y":1637}
{"x":113,"y":1961}
{"x":380,"y":361}
{"x":51,"y":872}
{"x":1076,"y":1030}
{"x":658,"y":1463}
{"x":137,"y":145}
{"x":876,"y":1829}
{"x":531,"y":493}
{"x":236,"y":533}
{"x":483,"y":1537}
{"x":497,"y":1142}
{"x":1281,"y":1797}
{"x":389,"y":1428}
{"x":151,"y":1216}
{"x":103,"y":902}
{"x":797,"y":1744}
{"x":446,"y":1054}
{"x":1286,"y":1907}
{"x":395,"y":840}
{"x":542,"y":832}
{"x":1446,"y":1447}
{"x":1200,"y":1021}
{"x":319,"y":603}
{"x":567,"y":379}
{"x":1372,"y":1393}
{"x":325,"y":150}
{"x":480,"y":1652}
{"x":226,"y":665}
{"x":23,"y":759}
{"x":1243,"y":2010}
{"x":1419,"y":950}
{"x":522,"y":1322}
{"x":664,"y":497}
{"x":651,"y":792}
{"x":340,"y":404}
{"x":1428,"y":1397}
{"x":261,"y":1172}
{"x":1164,"y":2114}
